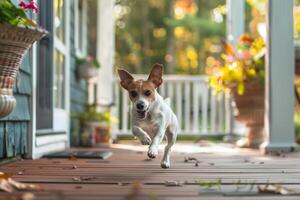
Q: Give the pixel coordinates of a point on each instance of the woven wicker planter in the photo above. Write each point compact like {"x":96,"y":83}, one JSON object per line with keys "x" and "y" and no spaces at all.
{"x":14,"y":43}
{"x":251,"y":112}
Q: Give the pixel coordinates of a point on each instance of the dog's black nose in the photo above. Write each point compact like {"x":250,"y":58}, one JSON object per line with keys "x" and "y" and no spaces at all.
{"x":140,"y":106}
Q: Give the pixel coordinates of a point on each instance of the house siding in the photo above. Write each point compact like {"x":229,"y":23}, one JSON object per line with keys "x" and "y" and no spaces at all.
{"x":14,"y":129}
{"x":78,"y":88}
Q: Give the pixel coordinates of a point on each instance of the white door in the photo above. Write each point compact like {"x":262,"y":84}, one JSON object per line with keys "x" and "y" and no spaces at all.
{"x":61,"y":67}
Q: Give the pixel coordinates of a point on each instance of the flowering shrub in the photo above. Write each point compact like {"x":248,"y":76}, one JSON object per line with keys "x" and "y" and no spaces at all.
{"x":13,"y":15}
{"x":89,"y":59}
{"x":238,"y":65}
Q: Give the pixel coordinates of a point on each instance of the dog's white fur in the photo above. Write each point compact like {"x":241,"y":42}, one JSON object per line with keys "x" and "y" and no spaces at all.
{"x":160,"y":122}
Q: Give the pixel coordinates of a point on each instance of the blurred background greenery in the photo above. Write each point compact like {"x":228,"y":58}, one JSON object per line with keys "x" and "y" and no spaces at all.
{"x":178,"y":33}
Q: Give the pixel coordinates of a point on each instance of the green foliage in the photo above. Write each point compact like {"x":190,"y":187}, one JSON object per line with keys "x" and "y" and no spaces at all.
{"x":12,"y":15}
{"x":91,"y":60}
{"x":154,"y":31}
{"x":93,"y":115}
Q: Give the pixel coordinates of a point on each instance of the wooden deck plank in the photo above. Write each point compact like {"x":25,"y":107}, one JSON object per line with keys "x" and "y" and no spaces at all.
{"x":113,"y":178}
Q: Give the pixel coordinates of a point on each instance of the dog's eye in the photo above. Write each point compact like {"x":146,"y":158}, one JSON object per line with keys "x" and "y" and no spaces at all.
{"x":148,"y":93}
{"x":133,"y":94}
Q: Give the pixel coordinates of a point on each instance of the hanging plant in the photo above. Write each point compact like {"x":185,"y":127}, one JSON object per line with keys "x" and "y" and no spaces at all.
{"x":87,"y":67}
{"x":17,"y":35}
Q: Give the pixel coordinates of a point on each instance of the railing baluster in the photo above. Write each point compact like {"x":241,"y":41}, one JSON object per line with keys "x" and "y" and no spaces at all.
{"x":115,"y":108}
{"x":213,"y":111}
{"x":220,"y":112}
{"x":228,"y":112}
{"x":171,"y":93}
{"x":204,"y":106}
{"x":124,"y":112}
{"x":196,"y":88}
{"x":179,"y":104}
{"x":187,"y":112}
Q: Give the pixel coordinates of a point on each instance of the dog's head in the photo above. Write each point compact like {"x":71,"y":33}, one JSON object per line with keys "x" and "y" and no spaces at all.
{"x":142,"y":92}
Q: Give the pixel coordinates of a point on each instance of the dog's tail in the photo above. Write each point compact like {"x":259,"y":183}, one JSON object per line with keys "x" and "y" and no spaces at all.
{"x":168,"y":101}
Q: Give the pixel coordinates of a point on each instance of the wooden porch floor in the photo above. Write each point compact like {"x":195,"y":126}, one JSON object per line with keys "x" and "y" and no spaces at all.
{"x":127,"y":175}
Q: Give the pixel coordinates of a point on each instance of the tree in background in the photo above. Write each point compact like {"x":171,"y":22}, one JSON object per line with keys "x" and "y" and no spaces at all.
{"x":178,"y":33}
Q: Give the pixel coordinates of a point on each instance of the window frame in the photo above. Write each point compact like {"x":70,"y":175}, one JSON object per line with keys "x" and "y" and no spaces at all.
{"x":61,"y":115}
{"x":83,"y":26}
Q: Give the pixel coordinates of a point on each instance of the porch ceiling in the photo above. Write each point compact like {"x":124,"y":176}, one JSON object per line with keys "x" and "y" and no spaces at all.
{"x":236,"y":170}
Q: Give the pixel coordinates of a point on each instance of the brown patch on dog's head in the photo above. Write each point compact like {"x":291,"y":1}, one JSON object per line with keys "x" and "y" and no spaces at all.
{"x":125,"y":77}
{"x":156,"y":75}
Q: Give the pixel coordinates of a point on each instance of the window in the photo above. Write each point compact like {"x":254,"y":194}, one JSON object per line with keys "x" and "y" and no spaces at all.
{"x":59,"y":19}
{"x":81,"y":27}
{"x":60,"y":54}
{"x":59,"y":80}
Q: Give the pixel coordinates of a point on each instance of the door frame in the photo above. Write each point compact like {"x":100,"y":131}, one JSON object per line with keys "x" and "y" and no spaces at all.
{"x":44,"y":141}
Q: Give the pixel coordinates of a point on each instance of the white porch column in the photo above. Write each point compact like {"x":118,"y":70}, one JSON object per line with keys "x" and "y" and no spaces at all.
{"x":105,"y":50}
{"x":235,"y":19}
{"x":279,"y":123}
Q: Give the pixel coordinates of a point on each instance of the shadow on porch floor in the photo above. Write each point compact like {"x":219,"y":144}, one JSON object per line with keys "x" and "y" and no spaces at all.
{"x":222,"y":172}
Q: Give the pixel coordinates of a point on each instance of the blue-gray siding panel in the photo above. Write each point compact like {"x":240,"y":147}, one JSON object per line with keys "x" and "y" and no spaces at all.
{"x":78,"y":87}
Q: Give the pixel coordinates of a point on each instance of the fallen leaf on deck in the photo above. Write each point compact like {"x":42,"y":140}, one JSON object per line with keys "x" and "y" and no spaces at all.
{"x":136,"y":187}
{"x":20,"y":173}
{"x":173,"y":183}
{"x":8,"y":185}
{"x":72,"y":157}
{"x":5,"y":175}
{"x":5,"y":186}
{"x":28,"y":196}
{"x":23,"y":186}
{"x":87,"y":178}
{"x":76,"y":179}
{"x":84,"y":178}
{"x":74,"y":167}
{"x":275,"y":189}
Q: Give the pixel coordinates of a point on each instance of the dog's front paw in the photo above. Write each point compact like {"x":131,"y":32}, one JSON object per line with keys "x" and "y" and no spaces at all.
{"x":146,"y":140}
{"x":165,"y":164}
{"x":152,"y":153}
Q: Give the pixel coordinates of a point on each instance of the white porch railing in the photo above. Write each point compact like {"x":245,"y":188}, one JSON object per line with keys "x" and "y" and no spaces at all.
{"x":199,"y":110}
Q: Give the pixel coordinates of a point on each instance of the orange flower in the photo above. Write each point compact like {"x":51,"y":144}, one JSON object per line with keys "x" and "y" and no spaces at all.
{"x":245,"y":39}
{"x":229,"y":49}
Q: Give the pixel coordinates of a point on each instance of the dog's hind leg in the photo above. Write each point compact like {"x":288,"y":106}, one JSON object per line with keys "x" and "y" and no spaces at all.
{"x":142,"y":135}
{"x":171,"y":135}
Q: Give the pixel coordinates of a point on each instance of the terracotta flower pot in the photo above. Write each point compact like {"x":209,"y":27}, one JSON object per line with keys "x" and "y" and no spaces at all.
{"x":96,"y":134}
{"x":14,"y":43}
{"x":251,"y":112}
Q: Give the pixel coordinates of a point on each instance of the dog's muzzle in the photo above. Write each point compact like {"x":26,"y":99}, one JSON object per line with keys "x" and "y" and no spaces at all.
{"x":141,"y":109}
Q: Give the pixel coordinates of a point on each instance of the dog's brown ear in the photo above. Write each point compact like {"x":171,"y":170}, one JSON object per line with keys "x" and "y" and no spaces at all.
{"x":156,"y":75}
{"x":125,"y":77}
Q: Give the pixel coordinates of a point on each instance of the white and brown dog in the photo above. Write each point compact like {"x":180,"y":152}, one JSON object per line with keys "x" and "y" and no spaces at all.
{"x":153,"y":117}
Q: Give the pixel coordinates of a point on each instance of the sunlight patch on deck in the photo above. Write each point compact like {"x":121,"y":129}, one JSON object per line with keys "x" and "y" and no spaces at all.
{"x":184,"y":148}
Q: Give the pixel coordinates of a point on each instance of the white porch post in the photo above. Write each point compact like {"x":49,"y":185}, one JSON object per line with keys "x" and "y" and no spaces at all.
{"x":279,"y":103}
{"x":235,"y":19}
{"x":105,"y":51}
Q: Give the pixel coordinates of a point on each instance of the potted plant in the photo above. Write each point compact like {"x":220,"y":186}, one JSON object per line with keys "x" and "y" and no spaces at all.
{"x":96,"y":126}
{"x":241,"y":71}
{"x":87,"y":67}
{"x":17,"y":35}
